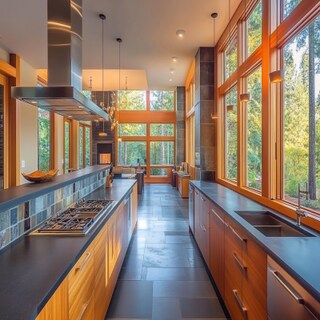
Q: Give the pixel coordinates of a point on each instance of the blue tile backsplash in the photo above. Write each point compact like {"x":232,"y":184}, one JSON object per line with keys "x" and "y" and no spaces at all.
{"x":20,"y":219}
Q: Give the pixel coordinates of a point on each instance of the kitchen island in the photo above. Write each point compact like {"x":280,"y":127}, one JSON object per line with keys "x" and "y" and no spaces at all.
{"x":33,"y":267}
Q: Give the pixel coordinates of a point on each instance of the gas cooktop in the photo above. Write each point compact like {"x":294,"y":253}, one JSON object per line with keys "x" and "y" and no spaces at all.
{"x":78,"y":219}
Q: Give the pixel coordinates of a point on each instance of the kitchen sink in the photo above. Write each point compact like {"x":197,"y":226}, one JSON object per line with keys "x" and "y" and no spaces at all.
{"x":271,"y":225}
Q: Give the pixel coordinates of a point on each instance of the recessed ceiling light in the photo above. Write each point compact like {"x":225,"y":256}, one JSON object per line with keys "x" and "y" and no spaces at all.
{"x":170,"y":79}
{"x":172,"y":71}
{"x":180,"y":33}
{"x":174,"y":59}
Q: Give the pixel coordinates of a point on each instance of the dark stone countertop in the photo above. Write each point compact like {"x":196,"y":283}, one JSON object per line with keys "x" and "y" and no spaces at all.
{"x":300,"y":256}
{"x":16,"y":195}
{"x":33,"y":267}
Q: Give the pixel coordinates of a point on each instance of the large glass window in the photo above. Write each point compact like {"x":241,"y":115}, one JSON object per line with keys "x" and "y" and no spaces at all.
{"x":87,"y":146}
{"x":301,"y":116}
{"x":230,"y":58}
{"x":162,"y":153}
{"x":254,"y":29}
{"x":132,"y":129}
{"x":132,"y":100}
{"x":132,"y":152}
{"x":44,"y":140}
{"x":288,"y":6}
{"x":162,"y":129}
{"x":81,"y":146}
{"x":231,"y":133}
{"x":67,"y":148}
{"x":254,"y":130}
{"x":162,"y":100}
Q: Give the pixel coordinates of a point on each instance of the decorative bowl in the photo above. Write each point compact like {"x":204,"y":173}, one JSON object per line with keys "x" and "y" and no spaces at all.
{"x":40,"y":176}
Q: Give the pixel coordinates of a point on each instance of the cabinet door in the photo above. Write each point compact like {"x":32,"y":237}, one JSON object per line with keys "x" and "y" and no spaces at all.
{"x":235,"y":269}
{"x":197,"y":229}
{"x":57,"y":307}
{"x":134,"y":207}
{"x":81,"y":284}
{"x":205,"y":227}
{"x":217,"y":247}
{"x":101,"y":274}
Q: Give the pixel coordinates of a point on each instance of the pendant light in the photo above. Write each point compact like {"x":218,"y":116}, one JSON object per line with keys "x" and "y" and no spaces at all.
{"x":244,"y":97}
{"x":277,"y":75}
{"x":103,"y":18}
{"x":229,"y":107}
{"x":214,"y":15}
{"x":115,"y":122}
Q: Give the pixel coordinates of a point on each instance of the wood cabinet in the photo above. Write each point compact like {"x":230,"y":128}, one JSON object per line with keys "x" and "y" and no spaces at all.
{"x":202,"y":225}
{"x":246,"y":273}
{"x":183,"y":185}
{"x":57,"y":307}
{"x":81,"y":285}
{"x":216,"y":246}
{"x":237,"y":263}
{"x":87,"y":290}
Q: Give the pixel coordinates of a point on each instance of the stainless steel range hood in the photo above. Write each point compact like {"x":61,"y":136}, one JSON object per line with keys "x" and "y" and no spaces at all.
{"x":63,"y":94}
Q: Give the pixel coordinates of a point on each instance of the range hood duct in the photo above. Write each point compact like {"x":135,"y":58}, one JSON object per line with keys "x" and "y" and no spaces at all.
{"x":63,"y":94}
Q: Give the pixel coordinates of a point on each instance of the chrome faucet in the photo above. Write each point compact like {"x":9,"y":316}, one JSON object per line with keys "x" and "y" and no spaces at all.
{"x":300,"y":212}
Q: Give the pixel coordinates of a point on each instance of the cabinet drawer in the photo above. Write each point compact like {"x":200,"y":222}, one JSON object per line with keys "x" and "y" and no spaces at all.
{"x":234,"y":300}
{"x":81,"y":284}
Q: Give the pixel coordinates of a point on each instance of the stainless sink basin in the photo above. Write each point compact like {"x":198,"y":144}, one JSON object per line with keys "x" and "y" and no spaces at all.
{"x":272,"y":226}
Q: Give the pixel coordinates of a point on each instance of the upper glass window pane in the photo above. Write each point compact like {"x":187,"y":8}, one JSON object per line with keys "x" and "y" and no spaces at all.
{"x":132,"y":129}
{"x":231,"y":132}
{"x":230,"y":58}
{"x":81,"y":147}
{"x":301,"y":116}
{"x":254,"y":29}
{"x":162,"y":153}
{"x":132,"y":100}
{"x":288,"y":6}
{"x":43,"y":140}
{"x":254,"y":131}
{"x":162,"y":129}
{"x":88,"y":145}
{"x":162,"y":100}
{"x":132,"y":152}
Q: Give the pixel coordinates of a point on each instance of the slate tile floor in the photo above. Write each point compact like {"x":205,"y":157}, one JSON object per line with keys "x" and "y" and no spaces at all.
{"x":163,"y":276}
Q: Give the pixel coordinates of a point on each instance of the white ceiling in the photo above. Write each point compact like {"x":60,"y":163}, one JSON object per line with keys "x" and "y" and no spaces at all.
{"x":147,"y":27}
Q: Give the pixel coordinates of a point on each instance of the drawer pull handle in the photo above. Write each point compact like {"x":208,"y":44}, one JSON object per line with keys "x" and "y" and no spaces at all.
{"x":242,"y":307}
{"x":287,"y":286}
{"x":217,"y":216}
{"x":240,"y":264}
{"x":83,"y":310}
{"x":237,"y":235}
{"x":84,"y":262}
{"x":315,"y":315}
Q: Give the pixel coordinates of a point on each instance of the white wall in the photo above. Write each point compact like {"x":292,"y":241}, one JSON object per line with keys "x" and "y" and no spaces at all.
{"x":28,"y":123}
{"x":4,"y":55}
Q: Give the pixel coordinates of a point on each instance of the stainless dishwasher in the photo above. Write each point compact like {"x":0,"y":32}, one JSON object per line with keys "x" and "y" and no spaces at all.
{"x":286,"y":298}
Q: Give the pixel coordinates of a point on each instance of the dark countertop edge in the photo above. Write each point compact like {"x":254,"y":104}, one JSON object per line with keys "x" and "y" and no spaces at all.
{"x":262,"y":242}
{"x":14,"y":196}
{"x":90,"y":237}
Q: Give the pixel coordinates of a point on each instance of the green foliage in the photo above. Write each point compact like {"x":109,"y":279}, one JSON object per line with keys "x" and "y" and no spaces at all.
{"x":162,"y":129}
{"x":132,"y":100}
{"x":254,"y":27}
{"x":162,"y":100}
{"x":231,"y":135}
{"x":162,"y":153}
{"x":288,"y":6}
{"x":231,"y":57}
{"x":254,"y":130}
{"x":43,"y":140}
{"x":132,"y":129}
{"x":130,"y":151}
